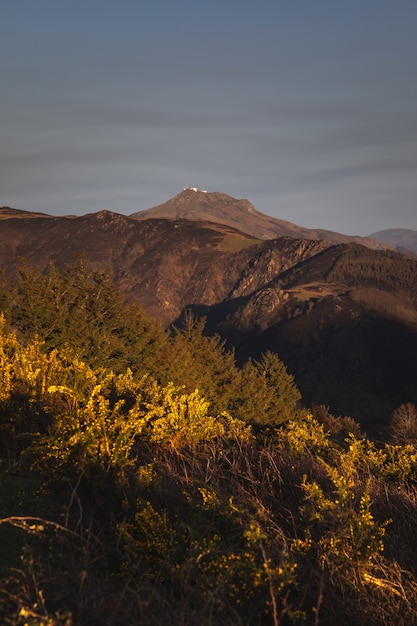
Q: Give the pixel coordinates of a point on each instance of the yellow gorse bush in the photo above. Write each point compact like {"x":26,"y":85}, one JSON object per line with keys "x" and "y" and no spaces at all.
{"x":27,"y":370}
{"x":303,"y":436}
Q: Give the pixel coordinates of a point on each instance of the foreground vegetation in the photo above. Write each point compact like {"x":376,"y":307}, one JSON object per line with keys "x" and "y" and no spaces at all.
{"x":146,"y":479}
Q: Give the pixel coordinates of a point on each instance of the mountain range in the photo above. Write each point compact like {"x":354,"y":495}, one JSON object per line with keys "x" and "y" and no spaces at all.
{"x":340,"y":311}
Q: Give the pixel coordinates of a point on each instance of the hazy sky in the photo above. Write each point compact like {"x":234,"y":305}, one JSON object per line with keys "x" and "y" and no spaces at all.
{"x":308,"y":108}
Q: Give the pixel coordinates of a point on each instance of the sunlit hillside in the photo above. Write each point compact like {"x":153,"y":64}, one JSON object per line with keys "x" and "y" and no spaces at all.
{"x":146,"y":478}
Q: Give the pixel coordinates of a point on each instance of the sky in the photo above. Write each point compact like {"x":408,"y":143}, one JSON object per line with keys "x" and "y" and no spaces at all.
{"x":307,"y":108}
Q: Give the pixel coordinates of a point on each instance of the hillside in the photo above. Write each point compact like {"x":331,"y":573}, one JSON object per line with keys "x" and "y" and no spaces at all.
{"x":166,"y":265}
{"x":192,"y":204}
{"x":345,"y":323}
{"x":153,"y":481}
{"x":7,"y":212}
{"x":342,"y":317}
{"x":400,"y":238}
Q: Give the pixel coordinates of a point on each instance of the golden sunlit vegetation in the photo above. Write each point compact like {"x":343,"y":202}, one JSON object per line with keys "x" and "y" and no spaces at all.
{"x":146,"y":479}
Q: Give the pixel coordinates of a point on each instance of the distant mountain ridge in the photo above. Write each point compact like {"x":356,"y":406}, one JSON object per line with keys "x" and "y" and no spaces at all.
{"x":194,"y":204}
{"x":220,"y":208}
{"x":7,"y":212}
{"x":399,"y":238}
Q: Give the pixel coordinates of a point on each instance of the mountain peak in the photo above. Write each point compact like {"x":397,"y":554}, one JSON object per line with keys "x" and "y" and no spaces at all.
{"x":213,"y":206}
{"x":202,"y":205}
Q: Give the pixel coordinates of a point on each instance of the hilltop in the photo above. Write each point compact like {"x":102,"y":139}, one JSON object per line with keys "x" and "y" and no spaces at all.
{"x":403,"y":239}
{"x":194,"y":204}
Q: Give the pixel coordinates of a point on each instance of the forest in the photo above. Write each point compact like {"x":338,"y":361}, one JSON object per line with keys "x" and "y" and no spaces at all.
{"x":147,"y":477}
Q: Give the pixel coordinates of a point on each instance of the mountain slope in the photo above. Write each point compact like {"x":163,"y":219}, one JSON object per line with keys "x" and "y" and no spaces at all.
{"x":220,"y":208}
{"x":345,"y":323}
{"x":342,"y":317}
{"x":156,"y":261}
{"x":7,"y":212}
{"x":400,"y":238}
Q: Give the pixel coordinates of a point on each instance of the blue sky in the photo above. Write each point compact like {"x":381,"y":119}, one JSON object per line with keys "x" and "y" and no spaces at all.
{"x":308,"y":108}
